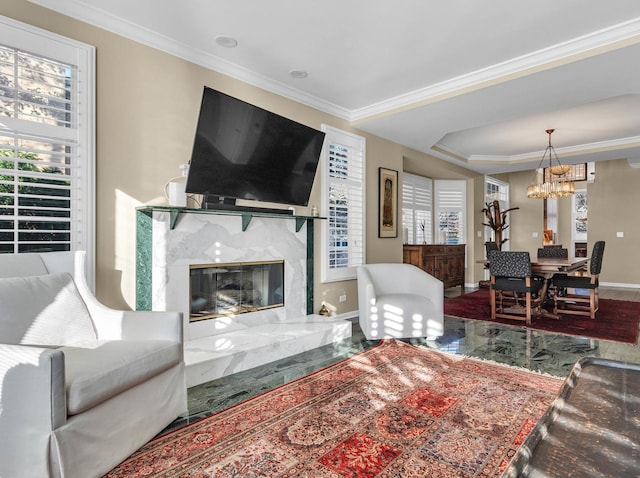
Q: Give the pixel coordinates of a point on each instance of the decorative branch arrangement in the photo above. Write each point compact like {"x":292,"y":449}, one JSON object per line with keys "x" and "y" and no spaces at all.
{"x":496,"y":220}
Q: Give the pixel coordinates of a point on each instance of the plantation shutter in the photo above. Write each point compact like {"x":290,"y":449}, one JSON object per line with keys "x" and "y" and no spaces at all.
{"x":450,"y":206}
{"x":417,"y":205}
{"x":343,"y":204}
{"x":46,"y":138}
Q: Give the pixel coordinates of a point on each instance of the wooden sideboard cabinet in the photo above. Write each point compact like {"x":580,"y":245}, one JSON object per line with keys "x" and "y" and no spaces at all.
{"x":443,"y":261}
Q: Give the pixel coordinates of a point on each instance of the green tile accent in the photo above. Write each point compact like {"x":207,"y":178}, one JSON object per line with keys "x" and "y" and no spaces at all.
{"x":144,"y":258}
{"x":246,"y":219}
{"x":300,"y":222}
{"x":310,"y":240}
{"x":173,"y":215}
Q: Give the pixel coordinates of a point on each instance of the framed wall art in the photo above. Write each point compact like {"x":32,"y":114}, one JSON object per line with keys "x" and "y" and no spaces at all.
{"x":388,"y":203}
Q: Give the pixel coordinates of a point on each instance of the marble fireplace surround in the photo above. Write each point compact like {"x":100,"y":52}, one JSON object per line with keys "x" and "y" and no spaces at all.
{"x":170,"y":239}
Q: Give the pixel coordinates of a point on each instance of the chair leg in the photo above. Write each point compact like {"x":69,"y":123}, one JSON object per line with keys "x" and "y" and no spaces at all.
{"x":492,"y":296}
{"x":528,"y":307}
{"x":578,"y":304}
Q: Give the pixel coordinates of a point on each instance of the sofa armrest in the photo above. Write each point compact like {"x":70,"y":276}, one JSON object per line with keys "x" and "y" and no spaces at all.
{"x":32,"y":404}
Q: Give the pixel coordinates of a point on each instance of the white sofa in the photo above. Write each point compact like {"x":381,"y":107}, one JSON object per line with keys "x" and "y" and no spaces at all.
{"x":399,"y":301}
{"x":82,"y":386}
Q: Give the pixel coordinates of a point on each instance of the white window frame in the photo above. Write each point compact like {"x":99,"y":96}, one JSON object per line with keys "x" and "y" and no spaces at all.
{"x":441,"y":189}
{"x":49,"y":45}
{"x":577,"y":236}
{"x":417,"y":206}
{"x":356,"y":209}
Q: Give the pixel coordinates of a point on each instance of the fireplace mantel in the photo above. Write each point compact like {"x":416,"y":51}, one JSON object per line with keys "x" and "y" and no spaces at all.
{"x":176,"y":212}
{"x":147,"y":253}
{"x":171,"y":240}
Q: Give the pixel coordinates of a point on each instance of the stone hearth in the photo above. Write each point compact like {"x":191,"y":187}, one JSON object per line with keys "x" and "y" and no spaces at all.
{"x":169,"y":240}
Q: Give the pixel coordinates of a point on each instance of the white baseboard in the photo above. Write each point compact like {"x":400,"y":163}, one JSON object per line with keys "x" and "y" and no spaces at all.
{"x":619,"y":284}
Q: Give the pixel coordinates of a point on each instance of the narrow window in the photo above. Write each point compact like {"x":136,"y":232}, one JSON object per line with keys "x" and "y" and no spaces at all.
{"x":46,"y":142}
{"x":450,"y":205}
{"x":417,"y":204}
{"x":343,"y":233}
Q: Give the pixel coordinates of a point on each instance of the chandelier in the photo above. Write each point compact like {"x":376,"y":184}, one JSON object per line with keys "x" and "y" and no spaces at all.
{"x":557,"y":185}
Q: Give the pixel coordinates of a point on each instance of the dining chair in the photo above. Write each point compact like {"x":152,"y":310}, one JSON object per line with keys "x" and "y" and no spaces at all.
{"x":576,"y":303}
{"x":553,"y":252}
{"x":512,"y":283}
{"x":489,"y":247}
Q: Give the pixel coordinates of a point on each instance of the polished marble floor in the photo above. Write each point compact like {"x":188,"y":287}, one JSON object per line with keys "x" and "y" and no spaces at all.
{"x":512,"y":345}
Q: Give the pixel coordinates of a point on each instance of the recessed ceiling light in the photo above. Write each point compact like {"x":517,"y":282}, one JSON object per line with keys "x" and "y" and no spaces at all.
{"x":298,"y":74}
{"x":227,"y":42}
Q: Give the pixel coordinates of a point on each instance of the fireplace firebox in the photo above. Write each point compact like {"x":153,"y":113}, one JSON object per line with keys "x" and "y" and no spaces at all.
{"x":221,"y":290}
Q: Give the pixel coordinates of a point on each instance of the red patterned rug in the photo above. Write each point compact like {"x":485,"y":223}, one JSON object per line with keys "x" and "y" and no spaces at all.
{"x":616,"y":320}
{"x":395,"y":410}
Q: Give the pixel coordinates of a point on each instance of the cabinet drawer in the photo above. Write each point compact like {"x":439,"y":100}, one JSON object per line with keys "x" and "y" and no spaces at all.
{"x":435,"y":249}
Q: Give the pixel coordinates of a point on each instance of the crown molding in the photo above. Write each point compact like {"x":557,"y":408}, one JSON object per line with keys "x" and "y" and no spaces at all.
{"x":571,"y":50}
{"x":99,"y":18}
{"x":590,"y":44}
{"x":587,"y":148}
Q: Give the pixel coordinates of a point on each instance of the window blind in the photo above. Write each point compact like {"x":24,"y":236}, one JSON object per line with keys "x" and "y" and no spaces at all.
{"x":343,"y":204}
{"x":417,"y":205}
{"x":38,"y":155}
{"x":450,"y":205}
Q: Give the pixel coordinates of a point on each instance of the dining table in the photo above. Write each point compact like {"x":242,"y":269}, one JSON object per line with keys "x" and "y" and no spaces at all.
{"x":548,"y":266}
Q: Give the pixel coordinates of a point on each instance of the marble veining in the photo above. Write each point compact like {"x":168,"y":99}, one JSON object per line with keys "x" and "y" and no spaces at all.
{"x":219,"y":239}
{"x":218,"y":347}
{"x":215,"y":356}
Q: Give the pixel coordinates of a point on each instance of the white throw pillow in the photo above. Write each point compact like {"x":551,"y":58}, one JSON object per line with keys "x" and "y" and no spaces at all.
{"x":43,"y":310}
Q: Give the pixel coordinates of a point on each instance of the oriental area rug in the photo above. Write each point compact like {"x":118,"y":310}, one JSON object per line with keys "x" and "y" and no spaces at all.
{"x":615,"y":320}
{"x":396,"y":410}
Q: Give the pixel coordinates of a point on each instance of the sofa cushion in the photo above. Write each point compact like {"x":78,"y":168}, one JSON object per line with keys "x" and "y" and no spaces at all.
{"x":43,"y":310}
{"x":22,"y":265}
{"x":100,"y":369}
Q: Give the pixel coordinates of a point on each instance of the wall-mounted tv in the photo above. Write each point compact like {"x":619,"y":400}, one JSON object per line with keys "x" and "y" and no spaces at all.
{"x":242,"y":151}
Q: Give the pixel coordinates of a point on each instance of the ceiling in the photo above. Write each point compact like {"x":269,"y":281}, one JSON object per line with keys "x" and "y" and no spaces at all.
{"x":474,"y":83}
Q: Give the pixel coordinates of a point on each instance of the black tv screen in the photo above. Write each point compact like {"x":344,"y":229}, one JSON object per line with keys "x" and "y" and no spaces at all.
{"x":242,"y":151}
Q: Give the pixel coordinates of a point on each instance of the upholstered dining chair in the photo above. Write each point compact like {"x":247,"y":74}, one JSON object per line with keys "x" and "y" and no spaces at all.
{"x":514,"y":290}
{"x":554,"y":252}
{"x":580,"y":304}
{"x":489,"y":247}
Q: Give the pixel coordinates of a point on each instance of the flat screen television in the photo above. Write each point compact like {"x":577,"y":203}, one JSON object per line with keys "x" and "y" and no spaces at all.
{"x":242,"y":151}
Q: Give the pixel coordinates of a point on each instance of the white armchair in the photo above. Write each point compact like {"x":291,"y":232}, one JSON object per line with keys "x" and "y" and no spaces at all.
{"x":82,"y":386}
{"x":399,"y":301}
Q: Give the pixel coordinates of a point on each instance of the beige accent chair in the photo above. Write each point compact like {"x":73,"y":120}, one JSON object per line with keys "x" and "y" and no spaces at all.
{"x":82,"y":386}
{"x":399,"y":301}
